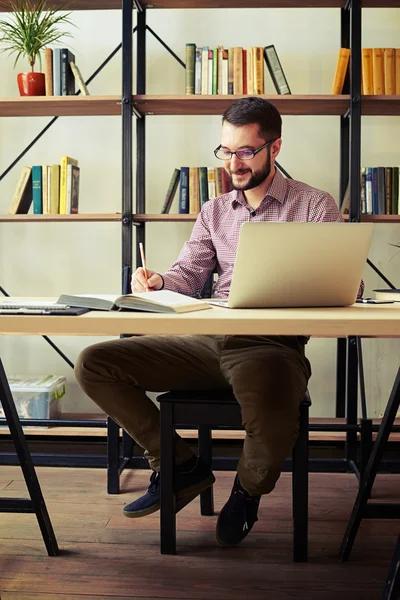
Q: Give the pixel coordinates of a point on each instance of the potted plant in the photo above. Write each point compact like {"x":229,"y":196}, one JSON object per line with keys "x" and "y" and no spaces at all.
{"x":29,"y":28}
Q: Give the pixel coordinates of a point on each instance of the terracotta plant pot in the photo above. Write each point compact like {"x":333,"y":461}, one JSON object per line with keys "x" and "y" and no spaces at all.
{"x":31,"y":84}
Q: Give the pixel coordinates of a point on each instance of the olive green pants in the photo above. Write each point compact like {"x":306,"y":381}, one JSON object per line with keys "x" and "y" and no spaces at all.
{"x":268,"y":376}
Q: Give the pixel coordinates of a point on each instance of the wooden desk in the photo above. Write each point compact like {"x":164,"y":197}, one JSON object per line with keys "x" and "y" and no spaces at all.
{"x":357,"y":320}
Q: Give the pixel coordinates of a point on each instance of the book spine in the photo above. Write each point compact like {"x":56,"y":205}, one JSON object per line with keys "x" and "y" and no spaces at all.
{"x":276,"y":71}
{"x":65,"y":160}
{"x":397,"y":71}
{"x":57,"y":71}
{"x":79,"y":79}
{"x":45,"y":191}
{"x":225,"y":69}
{"x":388,"y":190}
{"x":75,"y":180}
{"x":214,"y":87}
{"x":368,"y":190}
{"x":69,"y":74}
{"x":366,"y":69}
{"x":258,"y":70}
{"x":204,"y":70}
{"x":169,"y":196}
{"x":22,"y":196}
{"x":184,"y":191}
{"x":194,"y":192}
{"x":48,"y":70}
{"x":395,"y":190}
{"x":244,"y":54}
{"x":230,"y":70}
{"x":210,"y":72}
{"x":378,"y":71}
{"x":341,"y":70}
{"x":37,"y":190}
{"x":238,"y":70}
{"x":197,"y":71}
{"x":249,"y":71}
{"x":63,"y":71}
{"x":220,"y":70}
{"x":190,"y":69}
{"x":203,"y":186}
{"x":54,"y":188}
{"x":211,"y":182}
{"x":388,"y":66}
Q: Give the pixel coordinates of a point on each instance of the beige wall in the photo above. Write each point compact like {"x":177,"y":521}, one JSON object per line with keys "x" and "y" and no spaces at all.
{"x":48,"y":259}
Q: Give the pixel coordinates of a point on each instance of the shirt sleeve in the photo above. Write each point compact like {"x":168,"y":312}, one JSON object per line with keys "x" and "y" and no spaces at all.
{"x":195,"y":262}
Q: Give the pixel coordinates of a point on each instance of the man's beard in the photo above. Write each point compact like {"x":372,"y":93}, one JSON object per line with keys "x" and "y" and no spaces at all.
{"x":256,"y":178}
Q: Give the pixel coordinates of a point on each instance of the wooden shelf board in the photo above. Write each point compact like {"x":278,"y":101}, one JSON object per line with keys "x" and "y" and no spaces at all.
{"x":377,"y":218}
{"x":60,"y":218}
{"x":165,"y":4}
{"x":217,"y":434}
{"x":216,"y":105}
{"x":60,"y":106}
{"x":380,"y":105}
{"x":164,"y":218}
{"x":80,"y":5}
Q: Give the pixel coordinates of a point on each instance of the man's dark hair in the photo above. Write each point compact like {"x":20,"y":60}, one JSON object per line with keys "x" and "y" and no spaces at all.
{"x":253,"y":109}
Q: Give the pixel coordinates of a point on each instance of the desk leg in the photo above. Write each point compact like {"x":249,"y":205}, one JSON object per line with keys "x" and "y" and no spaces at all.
{"x":392,"y":585}
{"x":36,"y":504}
{"x":367,"y":481}
{"x":167,"y":468}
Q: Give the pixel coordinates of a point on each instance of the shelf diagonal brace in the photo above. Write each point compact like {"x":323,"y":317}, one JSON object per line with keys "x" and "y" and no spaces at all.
{"x":47,"y":339}
{"x":180,"y":61}
{"x":54,"y":119}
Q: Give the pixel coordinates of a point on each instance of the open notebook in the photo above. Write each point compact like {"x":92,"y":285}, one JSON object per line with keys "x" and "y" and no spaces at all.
{"x":162,"y":301}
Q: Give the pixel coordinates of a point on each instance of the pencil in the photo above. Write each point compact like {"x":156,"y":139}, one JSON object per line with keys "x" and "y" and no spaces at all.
{"x":143,"y":262}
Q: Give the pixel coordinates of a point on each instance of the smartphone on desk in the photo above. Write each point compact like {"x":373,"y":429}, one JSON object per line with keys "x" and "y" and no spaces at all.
{"x":373,"y":301}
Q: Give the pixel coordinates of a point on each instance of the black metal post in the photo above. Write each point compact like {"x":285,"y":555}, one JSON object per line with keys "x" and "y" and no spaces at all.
{"x":140,"y":130}
{"x":355,"y":110}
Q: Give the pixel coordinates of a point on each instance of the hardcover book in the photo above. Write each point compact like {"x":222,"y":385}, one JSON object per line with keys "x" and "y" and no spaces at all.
{"x":161,"y":301}
{"x":341,"y":70}
{"x":276,"y":71}
{"x":388,"y":294}
{"x":79,"y":79}
{"x":22,"y":198}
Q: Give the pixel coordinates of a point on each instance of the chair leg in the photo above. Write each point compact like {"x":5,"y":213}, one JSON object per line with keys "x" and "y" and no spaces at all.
{"x":168,"y":500}
{"x":112,"y":456}
{"x":300,"y":490}
{"x":392,"y":586}
{"x":205,"y":453}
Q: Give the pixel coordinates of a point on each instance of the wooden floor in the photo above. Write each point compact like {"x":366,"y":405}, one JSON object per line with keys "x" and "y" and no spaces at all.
{"x":104,"y":555}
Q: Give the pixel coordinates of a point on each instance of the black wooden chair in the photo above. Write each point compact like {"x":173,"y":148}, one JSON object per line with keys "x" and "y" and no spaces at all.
{"x":208,"y":409}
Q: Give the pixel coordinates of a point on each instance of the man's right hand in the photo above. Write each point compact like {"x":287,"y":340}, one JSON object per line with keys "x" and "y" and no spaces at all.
{"x":139,"y":283}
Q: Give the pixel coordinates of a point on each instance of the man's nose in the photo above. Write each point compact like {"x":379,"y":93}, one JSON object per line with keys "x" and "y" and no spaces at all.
{"x":235,"y":162}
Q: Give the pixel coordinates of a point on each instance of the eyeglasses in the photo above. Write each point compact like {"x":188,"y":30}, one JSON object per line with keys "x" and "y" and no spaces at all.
{"x":245,"y":154}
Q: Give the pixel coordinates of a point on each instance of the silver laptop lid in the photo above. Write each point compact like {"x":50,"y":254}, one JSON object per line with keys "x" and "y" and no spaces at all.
{"x":283,"y":264}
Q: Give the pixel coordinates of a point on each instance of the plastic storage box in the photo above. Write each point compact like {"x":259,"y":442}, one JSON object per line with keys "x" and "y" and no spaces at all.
{"x":37,"y":397}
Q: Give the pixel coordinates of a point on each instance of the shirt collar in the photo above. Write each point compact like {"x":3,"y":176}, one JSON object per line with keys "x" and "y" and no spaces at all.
{"x":277,"y":190}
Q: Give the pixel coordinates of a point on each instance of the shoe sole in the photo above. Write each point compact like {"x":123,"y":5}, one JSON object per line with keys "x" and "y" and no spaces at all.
{"x":193,"y":489}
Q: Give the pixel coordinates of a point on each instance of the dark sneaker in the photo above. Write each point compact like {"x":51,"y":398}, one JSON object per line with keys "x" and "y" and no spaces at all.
{"x":192,"y":477}
{"x":238,"y":516}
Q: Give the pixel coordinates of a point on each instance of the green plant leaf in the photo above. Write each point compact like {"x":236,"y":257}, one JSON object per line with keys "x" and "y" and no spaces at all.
{"x":31,"y":27}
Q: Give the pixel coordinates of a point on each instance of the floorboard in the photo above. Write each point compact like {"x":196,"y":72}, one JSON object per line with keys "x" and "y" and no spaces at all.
{"x":107,"y":556}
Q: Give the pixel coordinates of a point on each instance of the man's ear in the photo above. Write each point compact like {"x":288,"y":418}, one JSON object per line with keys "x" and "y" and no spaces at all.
{"x":276,"y":147}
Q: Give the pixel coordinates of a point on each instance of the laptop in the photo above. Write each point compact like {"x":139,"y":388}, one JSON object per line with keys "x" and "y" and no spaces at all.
{"x":292,"y":264}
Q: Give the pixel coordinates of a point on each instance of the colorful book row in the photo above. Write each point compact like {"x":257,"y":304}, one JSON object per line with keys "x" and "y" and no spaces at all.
{"x":61,"y":72}
{"x":233,"y":70}
{"x":196,"y":186}
{"x":50,"y":189}
{"x":380,"y":71}
{"x":379,"y":191}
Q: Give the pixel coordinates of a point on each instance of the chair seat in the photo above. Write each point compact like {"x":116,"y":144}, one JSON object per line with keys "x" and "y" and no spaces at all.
{"x":207,"y":396}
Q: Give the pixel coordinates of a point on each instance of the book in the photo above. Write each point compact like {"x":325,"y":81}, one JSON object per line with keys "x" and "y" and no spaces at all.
{"x":388,"y":294}
{"x":65,"y":161}
{"x":37,"y":190}
{"x":53,"y":188}
{"x":22,"y":198}
{"x":79,"y":79}
{"x":258,"y":71}
{"x":57,"y":72}
{"x":378,"y":71}
{"x":161,"y":301}
{"x":67,"y":76}
{"x":171,"y":191}
{"x":73,"y":176}
{"x":184,"y":191}
{"x":194,"y":191}
{"x":367,"y":73}
{"x":341,"y":70}
{"x":388,"y":68}
{"x":190,"y":68}
{"x":48,"y":70}
{"x":275,"y":70}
